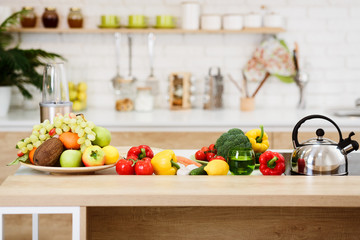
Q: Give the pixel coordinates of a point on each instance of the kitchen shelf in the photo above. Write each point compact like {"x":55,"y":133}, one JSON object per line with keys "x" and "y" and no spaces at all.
{"x":263,"y":30}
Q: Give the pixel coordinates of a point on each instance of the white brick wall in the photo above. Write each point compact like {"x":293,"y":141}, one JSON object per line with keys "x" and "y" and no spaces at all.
{"x":328,"y":33}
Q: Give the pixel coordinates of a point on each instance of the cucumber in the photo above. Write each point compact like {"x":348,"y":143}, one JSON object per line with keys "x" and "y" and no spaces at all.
{"x":199,"y":171}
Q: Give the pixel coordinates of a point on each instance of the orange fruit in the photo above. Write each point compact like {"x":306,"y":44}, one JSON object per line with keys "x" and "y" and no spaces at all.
{"x":31,"y":155}
{"x":69,"y":139}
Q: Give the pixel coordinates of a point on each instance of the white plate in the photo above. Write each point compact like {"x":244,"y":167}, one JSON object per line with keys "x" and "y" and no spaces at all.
{"x":67,"y":170}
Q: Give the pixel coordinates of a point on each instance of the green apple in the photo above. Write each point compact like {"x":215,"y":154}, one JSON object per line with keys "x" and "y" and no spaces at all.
{"x":93,"y":156}
{"x":70,"y":158}
{"x":102,"y":138}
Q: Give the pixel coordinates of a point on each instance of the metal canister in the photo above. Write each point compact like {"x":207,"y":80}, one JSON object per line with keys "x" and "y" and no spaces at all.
{"x":214,"y":88}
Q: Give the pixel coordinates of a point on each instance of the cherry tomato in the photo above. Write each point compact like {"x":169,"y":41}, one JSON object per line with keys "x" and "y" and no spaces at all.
{"x":20,"y":154}
{"x":200,"y":155}
{"x":218,"y":158}
{"x":133,"y":157}
{"x":212,"y":148}
{"x":144,"y":167}
{"x":210,"y":155}
{"x":52,"y":132}
{"x":125,"y":167}
{"x":204,"y":149}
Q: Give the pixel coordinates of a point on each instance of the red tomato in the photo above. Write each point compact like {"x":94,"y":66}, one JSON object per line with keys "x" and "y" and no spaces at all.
{"x":204,"y":149}
{"x":200,"y":155}
{"x":210,"y":155}
{"x":20,"y":154}
{"x":52,"y":132}
{"x":125,"y":167}
{"x":212,"y":148}
{"x":218,"y":158}
{"x":144,"y":167}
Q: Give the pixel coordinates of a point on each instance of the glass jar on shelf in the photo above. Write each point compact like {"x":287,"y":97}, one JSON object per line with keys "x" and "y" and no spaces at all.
{"x":28,"y":19}
{"x":144,"y":101}
{"x":50,"y":18}
{"x":75,"y":18}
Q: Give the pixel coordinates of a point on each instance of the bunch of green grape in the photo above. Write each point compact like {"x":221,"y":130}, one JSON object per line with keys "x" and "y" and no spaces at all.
{"x":39,"y":135}
{"x":67,"y":123}
{"x":78,"y":125}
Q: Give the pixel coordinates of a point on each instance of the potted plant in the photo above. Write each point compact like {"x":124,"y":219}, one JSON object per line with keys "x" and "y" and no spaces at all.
{"x":18,"y":67}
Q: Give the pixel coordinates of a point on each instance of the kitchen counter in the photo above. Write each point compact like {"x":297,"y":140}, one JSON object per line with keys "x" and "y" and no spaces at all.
{"x":194,"y":120}
{"x":186,"y":207}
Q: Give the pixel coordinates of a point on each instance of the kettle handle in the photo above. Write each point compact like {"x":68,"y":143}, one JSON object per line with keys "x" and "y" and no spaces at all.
{"x":297,"y":126}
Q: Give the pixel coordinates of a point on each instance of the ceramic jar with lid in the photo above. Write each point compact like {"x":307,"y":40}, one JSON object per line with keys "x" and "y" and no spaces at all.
{"x":75,"y":18}
{"x":144,"y":101}
{"x":273,"y":20}
{"x":211,"y":22}
{"x":233,"y":22}
{"x":253,"y":20}
{"x":28,"y":19}
{"x":190,"y":15}
{"x":50,"y":18}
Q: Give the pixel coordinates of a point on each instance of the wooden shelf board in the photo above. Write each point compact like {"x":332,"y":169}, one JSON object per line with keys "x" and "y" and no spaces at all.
{"x":145,"y":30}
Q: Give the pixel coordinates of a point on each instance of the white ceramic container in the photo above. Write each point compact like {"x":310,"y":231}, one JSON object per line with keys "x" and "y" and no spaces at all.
{"x":273,"y":20}
{"x":190,"y":15}
{"x":211,"y":22}
{"x":233,"y":22}
{"x":253,"y":20}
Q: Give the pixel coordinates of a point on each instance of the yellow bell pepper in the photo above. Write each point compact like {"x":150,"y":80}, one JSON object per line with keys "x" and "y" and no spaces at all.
{"x":164,"y":163}
{"x":258,"y":139}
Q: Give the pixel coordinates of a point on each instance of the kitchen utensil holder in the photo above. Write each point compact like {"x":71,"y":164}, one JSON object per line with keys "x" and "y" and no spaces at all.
{"x":247,"y":104}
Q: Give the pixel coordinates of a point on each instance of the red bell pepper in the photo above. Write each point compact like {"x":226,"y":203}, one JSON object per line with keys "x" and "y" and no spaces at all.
{"x":140,"y":152}
{"x":271,"y":163}
{"x":144,"y":167}
{"x":125,"y":166}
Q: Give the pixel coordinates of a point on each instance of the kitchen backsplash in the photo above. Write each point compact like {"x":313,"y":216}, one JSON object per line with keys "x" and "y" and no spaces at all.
{"x":327,"y":31}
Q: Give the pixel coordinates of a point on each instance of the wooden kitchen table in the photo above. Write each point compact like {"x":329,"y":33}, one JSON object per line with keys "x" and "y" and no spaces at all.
{"x":197,"y":207}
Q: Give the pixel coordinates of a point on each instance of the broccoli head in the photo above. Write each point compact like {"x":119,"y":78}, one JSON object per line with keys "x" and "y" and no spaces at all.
{"x":234,"y":138}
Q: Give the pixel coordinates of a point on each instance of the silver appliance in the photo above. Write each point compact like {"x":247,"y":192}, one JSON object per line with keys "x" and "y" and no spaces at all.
{"x":55,"y":92}
{"x":320,"y":156}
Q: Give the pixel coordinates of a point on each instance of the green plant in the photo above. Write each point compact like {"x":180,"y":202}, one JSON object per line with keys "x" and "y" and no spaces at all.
{"x":19,"y":67}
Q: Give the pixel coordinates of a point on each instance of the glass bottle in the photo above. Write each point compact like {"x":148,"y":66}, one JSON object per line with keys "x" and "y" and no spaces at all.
{"x":75,"y":18}
{"x":28,"y":19}
{"x":241,"y":161}
{"x":50,"y":18}
{"x":144,"y":101}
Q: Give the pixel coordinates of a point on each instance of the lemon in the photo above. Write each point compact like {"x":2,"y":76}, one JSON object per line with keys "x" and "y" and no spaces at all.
{"x":217,"y":167}
{"x":72,"y":95}
{"x":82,"y":96}
{"x":111,"y":154}
{"x":77,"y":106}
{"x":82,"y":87}
{"x":71,"y":86}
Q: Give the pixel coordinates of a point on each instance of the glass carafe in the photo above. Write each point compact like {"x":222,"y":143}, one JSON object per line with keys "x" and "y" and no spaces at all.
{"x":55,"y":92}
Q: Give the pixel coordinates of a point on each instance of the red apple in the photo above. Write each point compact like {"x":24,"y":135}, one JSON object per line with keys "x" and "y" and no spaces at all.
{"x":93,"y":156}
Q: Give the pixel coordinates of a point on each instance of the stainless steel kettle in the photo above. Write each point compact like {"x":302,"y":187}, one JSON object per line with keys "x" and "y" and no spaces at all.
{"x":320,"y":156}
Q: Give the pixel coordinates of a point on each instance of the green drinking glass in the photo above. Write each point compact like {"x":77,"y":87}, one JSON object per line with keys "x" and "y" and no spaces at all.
{"x":241,"y":161}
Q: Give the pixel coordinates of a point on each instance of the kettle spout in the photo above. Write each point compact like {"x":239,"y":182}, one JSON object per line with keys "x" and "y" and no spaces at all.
{"x":348,"y":145}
